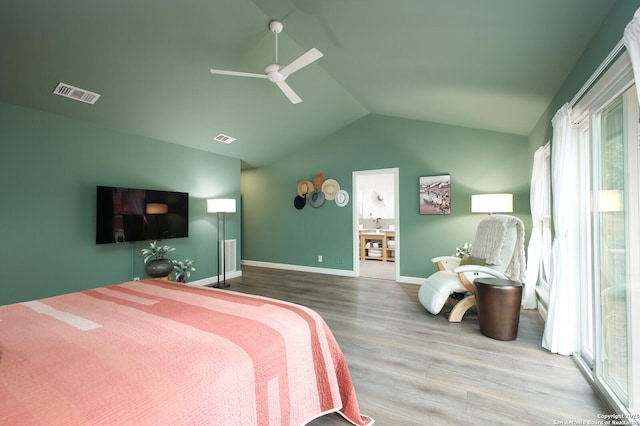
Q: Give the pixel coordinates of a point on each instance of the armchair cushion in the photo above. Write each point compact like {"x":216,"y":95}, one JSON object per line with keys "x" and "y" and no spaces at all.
{"x":467,"y":259}
{"x":436,"y":290}
{"x":500,"y":240}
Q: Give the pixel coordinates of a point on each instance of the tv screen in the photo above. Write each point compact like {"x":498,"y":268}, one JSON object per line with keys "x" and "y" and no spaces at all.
{"x":128,"y":214}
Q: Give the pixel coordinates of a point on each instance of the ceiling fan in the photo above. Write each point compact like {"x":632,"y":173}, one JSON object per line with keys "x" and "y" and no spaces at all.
{"x":275,"y":72}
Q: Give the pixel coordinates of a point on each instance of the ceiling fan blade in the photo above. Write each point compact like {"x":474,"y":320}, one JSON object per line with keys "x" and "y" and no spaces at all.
{"x":288,"y":91}
{"x":238,"y":73}
{"x":305,"y":59}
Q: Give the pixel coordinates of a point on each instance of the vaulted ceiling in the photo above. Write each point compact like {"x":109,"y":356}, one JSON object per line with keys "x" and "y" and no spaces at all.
{"x":487,"y":64}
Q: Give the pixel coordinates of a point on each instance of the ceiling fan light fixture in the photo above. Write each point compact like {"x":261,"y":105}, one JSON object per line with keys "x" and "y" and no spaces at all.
{"x":273,"y":73}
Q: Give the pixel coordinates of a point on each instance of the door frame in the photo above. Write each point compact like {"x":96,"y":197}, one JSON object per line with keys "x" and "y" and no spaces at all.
{"x":356,"y":220}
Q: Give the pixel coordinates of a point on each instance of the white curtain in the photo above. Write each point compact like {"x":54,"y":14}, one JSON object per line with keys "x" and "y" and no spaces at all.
{"x":539,"y":201}
{"x":631,"y":40}
{"x":561,"y":328}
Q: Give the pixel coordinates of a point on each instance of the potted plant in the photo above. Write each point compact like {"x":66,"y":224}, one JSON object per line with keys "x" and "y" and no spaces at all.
{"x":183,"y":269}
{"x":155,"y":258}
{"x":463,"y":250}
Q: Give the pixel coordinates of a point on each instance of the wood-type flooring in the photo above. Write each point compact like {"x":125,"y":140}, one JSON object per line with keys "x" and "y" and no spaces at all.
{"x":413,"y":368}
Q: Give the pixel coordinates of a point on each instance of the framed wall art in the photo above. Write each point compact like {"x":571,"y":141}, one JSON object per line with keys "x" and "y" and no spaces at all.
{"x":435,"y":194}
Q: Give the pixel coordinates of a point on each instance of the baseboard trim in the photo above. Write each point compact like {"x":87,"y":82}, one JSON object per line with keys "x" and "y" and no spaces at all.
{"x":327,"y":271}
{"x":214,"y":279}
{"x":411,"y":280}
{"x":298,"y":268}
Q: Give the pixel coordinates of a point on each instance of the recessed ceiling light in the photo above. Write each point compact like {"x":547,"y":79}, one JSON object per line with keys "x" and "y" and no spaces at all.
{"x":71,"y":92}
{"x":224,"y":139}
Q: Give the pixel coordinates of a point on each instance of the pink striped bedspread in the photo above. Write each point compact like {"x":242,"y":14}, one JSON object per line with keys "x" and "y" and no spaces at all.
{"x":158,"y":353}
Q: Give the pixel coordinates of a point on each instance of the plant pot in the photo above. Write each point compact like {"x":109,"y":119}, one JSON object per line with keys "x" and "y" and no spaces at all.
{"x":158,"y":268}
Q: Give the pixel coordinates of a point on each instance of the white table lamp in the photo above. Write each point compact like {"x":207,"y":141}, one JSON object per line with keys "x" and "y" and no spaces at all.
{"x":492,"y":203}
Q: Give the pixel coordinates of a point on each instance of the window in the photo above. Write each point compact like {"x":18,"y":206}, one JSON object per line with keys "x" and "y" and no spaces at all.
{"x":607,"y":120}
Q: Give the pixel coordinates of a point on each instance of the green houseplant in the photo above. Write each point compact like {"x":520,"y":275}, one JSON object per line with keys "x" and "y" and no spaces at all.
{"x":155,"y":258}
{"x":183,"y":269}
{"x":463,"y":250}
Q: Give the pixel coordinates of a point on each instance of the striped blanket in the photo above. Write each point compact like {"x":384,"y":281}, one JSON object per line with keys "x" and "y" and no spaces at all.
{"x":159,"y":353}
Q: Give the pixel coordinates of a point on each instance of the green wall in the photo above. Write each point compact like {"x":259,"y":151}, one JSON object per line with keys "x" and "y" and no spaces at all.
{"x":609,"y":34}
{"x":49,"y":169}
{"x":478,"y":161}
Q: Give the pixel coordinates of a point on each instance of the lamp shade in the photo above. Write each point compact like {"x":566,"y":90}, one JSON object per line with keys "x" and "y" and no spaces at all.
{"x":221,"y":205}
{"x":492,"y":203}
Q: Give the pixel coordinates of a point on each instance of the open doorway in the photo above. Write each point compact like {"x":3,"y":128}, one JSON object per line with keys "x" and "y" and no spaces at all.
{"x":375,"y":223}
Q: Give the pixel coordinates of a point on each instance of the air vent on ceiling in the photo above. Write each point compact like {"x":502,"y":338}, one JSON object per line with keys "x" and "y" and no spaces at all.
{"x":71,"y":92}
{"x":224,"y":139}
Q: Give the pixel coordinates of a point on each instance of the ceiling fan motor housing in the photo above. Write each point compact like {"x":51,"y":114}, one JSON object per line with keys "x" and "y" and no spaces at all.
{"x":273,"y":72}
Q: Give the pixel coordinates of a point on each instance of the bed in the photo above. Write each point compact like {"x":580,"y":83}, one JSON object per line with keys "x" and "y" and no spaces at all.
{"x":157,"y":352}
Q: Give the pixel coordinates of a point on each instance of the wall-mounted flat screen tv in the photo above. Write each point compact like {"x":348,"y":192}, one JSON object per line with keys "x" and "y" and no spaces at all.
{"x":128,"y":214}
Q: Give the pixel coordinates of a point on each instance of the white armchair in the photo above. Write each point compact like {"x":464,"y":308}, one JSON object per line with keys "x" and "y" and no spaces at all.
{"x":497,"y":251}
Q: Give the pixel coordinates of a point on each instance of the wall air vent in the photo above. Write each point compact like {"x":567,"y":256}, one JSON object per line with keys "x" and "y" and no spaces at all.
{"x":71,"y":92}
{"x":229,"y":253}
{"x":224,"y":139}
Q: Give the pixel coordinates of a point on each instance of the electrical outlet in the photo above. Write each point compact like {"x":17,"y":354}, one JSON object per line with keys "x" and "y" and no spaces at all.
{"x":320,"y":259}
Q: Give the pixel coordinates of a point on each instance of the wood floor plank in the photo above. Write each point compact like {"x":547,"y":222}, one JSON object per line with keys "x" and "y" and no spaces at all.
{"x":413,"y":368}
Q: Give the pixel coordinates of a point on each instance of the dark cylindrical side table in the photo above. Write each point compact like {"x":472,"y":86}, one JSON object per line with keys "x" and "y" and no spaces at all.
{"x":498,"y":303}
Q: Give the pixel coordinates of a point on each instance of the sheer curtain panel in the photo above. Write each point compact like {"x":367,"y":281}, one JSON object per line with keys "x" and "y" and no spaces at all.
{"x":631,"y":40}
{"x":539,"y":204}
{"x":561,"y":328}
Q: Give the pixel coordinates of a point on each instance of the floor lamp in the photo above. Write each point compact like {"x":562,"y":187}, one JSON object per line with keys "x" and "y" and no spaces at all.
{"x":218,"y":206}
